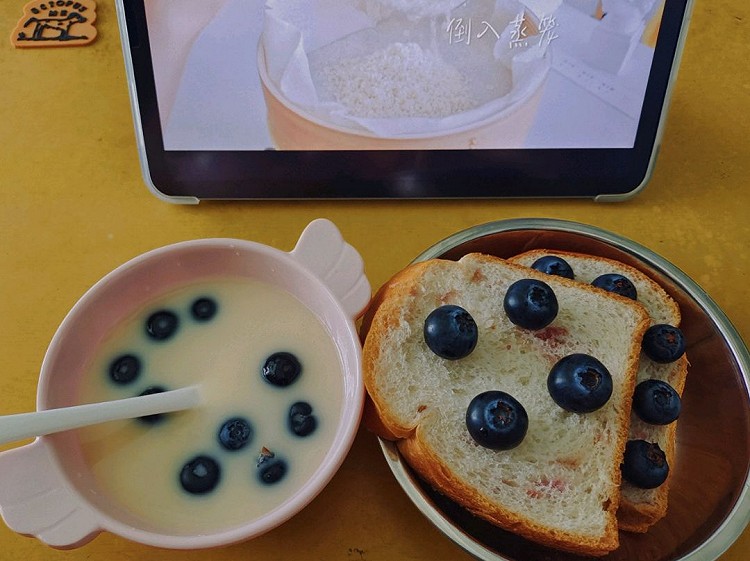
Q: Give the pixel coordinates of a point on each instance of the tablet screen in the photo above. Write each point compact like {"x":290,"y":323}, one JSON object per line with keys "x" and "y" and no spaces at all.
{"x":421,"y":76}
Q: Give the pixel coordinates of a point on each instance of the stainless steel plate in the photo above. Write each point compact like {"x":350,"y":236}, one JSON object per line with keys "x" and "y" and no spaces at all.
{"x":709,"y":501}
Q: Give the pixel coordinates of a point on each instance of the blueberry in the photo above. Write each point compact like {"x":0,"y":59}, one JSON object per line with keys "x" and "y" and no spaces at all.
{"x":161,"y":325}
{"x":579,"y":383}
{"x":270,"y":468}
{"x":235,"y":433}
{"x":656,"y":402}
{"x":125,"y":369}
{"x":203,"y":309}
{"x":530,"y":303}
{"x":301,"y":420}
{"x":450,"y":332}
{"x":281,"y":369}
{"x":496,"y":420}
{"x":272,"y":471}
{"x":663,"y":343}
{"x":200,"y":475}
{"x":644,"y":464}
{"x":554,"y":265}
{"x":619,"y":284}
{"x":156,"y":417}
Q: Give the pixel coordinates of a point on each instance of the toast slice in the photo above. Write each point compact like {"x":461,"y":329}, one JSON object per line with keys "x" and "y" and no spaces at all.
{"x":560,"y":485}
{"x":639,"y":508}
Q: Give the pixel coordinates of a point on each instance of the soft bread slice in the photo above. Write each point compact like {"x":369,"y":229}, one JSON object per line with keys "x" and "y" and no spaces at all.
{"x":639,"y":508}
{"x":560,"y":486}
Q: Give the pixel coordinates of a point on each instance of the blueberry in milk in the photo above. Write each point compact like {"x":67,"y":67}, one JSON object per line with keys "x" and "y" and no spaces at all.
{"x":162,"y":325}
{"x":200,"y":475}
{"x":203,"y":308}
{"x":281,"y":369}
{"x":270,"y":468}
{"x":124,"y":369}
{"x":302,"y":422}
{"x":272,"y":472}
{"x":156,"y":417}
{"x":235,"y":433}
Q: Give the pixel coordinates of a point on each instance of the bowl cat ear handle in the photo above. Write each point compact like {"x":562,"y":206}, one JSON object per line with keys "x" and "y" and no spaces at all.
{"x":322,"y":250}
{"x":36,"y":501}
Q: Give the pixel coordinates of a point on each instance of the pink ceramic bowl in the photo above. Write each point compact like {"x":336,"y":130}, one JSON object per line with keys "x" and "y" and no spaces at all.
{"x":47,"y":490}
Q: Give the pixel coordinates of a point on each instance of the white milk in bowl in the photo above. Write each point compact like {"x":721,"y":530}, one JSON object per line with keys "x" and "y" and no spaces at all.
{"x":272,"y":384}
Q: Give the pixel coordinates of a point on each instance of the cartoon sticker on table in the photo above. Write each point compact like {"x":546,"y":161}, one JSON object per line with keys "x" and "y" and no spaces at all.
{"x":55,"y":23}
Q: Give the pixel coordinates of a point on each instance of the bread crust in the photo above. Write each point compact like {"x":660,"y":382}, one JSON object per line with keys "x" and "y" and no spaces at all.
{"x":376,"y":417}
{"x":432,"y":469}
{"x":639,"y":509}
{"x":382,"y":317}
{"x":639,"y":515}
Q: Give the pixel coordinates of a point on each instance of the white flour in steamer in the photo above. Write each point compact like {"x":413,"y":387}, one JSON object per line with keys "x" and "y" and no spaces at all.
{"x":401,"y":80}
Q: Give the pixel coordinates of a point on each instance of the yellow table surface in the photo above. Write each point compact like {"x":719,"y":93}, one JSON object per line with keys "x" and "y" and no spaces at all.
{"x":73,"y":206}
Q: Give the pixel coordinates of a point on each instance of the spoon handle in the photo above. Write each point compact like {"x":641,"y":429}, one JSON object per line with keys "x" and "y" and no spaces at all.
{"x":38,"y":423}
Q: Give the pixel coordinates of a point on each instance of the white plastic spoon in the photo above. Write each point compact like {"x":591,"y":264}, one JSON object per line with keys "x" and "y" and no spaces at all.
{"x":38,"y":423}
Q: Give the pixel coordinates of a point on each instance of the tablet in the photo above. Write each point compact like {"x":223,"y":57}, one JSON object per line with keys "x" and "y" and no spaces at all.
{"x":406,"y":99}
